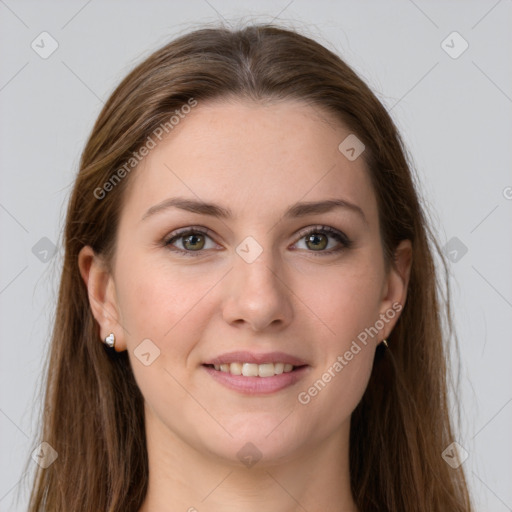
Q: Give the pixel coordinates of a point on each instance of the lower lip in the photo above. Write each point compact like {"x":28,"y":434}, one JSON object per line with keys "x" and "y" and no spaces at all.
{"x":257,"y":385}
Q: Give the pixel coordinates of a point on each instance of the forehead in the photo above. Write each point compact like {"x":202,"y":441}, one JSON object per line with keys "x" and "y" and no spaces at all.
{"x":255,"y":158}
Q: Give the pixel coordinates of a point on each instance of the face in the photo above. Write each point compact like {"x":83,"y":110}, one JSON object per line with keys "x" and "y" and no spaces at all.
{"x":271,"y":275}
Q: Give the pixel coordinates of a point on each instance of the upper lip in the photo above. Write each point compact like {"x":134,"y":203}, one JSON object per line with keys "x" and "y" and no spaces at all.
{"x":242,"y":356}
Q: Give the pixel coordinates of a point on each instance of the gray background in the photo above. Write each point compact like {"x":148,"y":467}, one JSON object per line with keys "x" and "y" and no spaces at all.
{"x":454,"y":114}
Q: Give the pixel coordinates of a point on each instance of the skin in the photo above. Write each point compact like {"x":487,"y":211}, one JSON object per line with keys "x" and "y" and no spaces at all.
{"x":292,"y":298}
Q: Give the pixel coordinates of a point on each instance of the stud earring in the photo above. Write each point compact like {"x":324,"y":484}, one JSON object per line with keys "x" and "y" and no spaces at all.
{"x":385,"y":343}
{"x":110,"y":340}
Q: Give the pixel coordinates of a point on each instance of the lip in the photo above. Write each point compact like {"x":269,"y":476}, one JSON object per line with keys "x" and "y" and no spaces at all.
{"x":242,"y":356}
{"x":257,"y":385}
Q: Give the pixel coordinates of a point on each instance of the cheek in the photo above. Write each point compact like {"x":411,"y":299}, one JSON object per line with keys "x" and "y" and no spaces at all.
{"x":158,"y":301}
{"x":341,"y":376}
{"x":346,"y":300}
{"x":335,"y":391}
{"x":171,"y":309}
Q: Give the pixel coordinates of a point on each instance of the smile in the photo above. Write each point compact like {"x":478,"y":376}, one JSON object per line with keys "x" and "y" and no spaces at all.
{"x":254,"y":370}
{"x":256,"y":379}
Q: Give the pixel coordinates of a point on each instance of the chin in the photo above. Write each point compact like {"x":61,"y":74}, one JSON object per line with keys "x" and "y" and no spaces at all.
{"x":264,"y":439}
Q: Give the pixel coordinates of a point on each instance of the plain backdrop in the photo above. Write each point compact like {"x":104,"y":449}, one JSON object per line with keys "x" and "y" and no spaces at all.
{"x":452,"y":104}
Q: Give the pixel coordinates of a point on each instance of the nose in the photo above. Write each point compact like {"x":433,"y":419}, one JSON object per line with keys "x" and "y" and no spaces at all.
{"x":258,"y":295}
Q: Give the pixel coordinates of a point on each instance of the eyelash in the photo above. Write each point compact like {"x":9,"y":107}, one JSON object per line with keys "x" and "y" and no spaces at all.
{"x":193,"y":230}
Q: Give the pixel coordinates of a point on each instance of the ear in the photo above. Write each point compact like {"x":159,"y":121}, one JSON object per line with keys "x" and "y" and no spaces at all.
{"x":395,"y":287}
{"x":102,"y":295}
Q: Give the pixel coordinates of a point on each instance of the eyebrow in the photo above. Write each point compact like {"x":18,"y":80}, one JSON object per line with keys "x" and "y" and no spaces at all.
{"x":215,"y":210}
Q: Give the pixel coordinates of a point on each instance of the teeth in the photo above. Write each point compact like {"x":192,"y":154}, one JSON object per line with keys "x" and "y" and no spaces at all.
{"x":234,"y":368}
{"x":249,"y":370}
{"x":254,"y":370}
{"x":266,"y":370}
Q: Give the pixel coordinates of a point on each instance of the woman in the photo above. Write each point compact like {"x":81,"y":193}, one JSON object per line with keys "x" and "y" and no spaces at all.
{"x":249,"y":315}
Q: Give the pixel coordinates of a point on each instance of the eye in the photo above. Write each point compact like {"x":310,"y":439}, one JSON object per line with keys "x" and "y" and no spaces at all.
{"x":316,"y":239}
{"x":192,"y":240}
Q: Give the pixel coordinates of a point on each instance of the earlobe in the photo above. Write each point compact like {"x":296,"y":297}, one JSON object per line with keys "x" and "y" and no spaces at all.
{"x":101,"y":292}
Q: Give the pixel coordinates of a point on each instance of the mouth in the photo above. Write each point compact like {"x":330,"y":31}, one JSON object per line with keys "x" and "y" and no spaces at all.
{"x":256,"y":379}
{"x":264,"y":370}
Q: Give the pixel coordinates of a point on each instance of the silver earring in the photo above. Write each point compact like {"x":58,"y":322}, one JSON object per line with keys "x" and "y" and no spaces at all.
{"x":385,"y":343}
{"x":110,"y":340}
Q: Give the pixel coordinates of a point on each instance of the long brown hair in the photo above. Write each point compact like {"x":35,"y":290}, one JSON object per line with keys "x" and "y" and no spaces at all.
{"x":93,"y":410}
